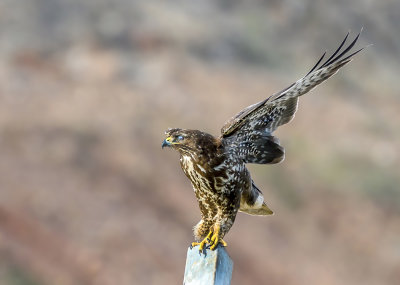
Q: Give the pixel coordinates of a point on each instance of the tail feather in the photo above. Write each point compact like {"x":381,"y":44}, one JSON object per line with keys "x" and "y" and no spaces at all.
{"x":252,"y":203}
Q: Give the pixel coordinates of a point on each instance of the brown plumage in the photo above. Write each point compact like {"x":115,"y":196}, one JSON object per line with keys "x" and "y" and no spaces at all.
{"x":216,"y":166}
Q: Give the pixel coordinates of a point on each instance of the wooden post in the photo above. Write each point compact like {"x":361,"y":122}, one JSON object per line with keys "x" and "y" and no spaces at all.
{"x":212,"y":267}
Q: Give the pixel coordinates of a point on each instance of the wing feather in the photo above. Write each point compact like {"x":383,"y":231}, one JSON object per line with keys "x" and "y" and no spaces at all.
{"x":298,"y":88}
{"x":266,"y":116}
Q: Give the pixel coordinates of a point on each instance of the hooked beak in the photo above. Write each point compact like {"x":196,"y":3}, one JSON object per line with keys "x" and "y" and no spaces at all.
{"x":166,"y":142}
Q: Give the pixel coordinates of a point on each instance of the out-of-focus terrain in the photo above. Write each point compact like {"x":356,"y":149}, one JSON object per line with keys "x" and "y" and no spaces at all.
{"x":87,"y":89}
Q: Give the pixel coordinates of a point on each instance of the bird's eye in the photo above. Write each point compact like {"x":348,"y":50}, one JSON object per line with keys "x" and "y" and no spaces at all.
{"x":179,"y":138}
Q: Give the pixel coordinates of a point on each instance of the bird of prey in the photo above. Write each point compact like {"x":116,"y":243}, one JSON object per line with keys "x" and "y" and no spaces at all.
{"x":216,"y":166}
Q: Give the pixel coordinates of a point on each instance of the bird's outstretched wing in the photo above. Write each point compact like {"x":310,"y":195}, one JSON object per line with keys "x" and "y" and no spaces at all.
{"x":249,"y":132}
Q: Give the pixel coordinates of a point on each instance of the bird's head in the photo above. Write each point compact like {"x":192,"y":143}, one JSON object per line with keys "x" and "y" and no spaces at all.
{"x":179,"y":139}
{"x":187,"y":141}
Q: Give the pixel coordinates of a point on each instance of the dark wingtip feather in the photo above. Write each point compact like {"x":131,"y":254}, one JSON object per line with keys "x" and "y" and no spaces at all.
{"x":334,"y":57}
{"x":354,"y":53}
{"x":344,"y":52}
{"x":316,"y":65}
{"x":337,"y":50}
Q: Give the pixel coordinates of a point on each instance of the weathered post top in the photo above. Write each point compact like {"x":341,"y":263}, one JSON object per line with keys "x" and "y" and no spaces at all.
{"x":211,"y":267}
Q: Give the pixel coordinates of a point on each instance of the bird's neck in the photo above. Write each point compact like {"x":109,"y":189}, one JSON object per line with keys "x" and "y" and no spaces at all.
{"x":207,"y":154}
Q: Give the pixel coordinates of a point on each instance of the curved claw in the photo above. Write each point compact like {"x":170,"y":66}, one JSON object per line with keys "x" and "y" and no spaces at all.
{"x":202,"y":243}
{"x":215,"y":239}
{"x":211,"y":240}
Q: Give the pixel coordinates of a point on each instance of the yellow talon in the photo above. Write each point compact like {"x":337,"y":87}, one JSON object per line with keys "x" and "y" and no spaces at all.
{"x":203,"y":242}
{"x":212,"y":239}
{"x":215,"y":239}
{"x":223,"y":242}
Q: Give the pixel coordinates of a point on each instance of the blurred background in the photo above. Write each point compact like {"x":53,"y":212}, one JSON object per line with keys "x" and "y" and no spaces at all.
{"x":87,"y":89}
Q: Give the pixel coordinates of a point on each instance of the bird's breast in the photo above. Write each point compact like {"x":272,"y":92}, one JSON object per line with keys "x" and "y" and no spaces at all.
{"x":207,"y":180}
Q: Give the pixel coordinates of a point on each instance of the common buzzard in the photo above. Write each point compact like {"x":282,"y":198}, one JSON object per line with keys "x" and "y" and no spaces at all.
{"x":216,"y":166}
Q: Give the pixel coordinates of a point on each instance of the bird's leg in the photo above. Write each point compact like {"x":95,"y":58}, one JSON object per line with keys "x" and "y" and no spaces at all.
{"x":215,"y":239}
{"x":203,"y":242}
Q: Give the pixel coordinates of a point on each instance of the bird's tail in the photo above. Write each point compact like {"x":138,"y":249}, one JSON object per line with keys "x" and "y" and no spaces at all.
{"x":261,"y":211}
{"x":253,"y":203}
